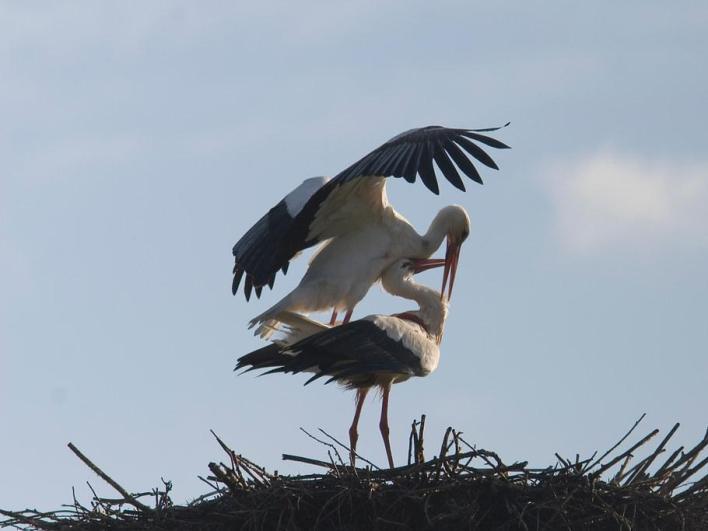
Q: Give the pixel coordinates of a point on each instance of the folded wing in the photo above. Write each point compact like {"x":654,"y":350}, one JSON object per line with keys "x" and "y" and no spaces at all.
{"x":351,"y":354}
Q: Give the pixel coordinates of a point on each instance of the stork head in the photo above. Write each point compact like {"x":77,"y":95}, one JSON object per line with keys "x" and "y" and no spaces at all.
{"x":457,"y":223}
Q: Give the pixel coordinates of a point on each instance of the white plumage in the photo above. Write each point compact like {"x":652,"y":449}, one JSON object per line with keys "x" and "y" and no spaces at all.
{"x":366,"y":235}
{"x":296,"y":200}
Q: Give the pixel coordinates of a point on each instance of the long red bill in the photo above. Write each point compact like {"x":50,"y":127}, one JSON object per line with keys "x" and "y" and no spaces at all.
{"x":424,"y":264}
{"x":452,"y":258}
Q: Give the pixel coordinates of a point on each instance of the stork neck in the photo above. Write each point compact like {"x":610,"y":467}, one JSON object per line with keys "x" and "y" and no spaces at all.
{"x":432,"y":310}
{"x":436,"y":234}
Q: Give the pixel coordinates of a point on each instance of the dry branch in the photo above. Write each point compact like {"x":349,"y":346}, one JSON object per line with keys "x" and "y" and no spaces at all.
{"x":105,"y":477}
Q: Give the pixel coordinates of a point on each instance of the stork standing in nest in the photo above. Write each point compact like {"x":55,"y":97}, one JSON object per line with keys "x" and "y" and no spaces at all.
{"x":359,"y":233}
{"x":375,"y":351}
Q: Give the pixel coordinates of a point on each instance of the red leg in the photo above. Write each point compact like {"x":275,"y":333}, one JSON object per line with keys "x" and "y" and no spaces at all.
{"x":383,"y":423}
{"x":348,"y":316}
{"x":353,"y":433}
{"x":333,"y":320}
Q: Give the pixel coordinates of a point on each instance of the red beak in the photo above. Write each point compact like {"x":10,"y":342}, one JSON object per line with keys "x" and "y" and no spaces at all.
{"x":452,"y":259}
{"x":423,"y":264}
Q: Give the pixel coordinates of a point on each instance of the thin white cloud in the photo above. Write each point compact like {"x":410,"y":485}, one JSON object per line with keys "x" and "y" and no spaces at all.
{"x":611,"y":201}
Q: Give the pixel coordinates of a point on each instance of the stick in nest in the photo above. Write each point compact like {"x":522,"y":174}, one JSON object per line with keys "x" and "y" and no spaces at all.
{"x":105,"y":477}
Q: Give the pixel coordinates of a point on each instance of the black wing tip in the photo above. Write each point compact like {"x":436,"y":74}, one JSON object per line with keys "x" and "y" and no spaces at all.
{"x":489,"y":141}
{"x":248,"y":287}
{"x":489,"y":129}
{"x":251,"y":285}
{"x":238,"y":274}
{"x":464,"y":138}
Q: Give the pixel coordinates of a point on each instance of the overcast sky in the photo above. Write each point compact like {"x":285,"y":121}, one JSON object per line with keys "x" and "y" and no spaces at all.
{"x":140,"y":140}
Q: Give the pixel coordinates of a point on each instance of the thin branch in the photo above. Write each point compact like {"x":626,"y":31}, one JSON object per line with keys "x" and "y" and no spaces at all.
{"x":624,"y":454}
{"x":105,"y":477}
{"x":608,"y":452}
{"x":348,"y":449}
{"x":35,"y":522}
{"x":325,"y":443}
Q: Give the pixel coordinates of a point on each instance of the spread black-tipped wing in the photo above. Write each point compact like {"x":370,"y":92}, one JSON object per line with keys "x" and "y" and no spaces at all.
{"x":411,"y":154}
{"x":348,"y":353}
{"x":283,"y":232}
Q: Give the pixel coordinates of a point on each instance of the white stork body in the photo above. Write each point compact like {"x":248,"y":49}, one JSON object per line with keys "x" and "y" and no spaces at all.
{"x":368,"y":236}
{"x":349,"y":216}
{"x":377,"y":350}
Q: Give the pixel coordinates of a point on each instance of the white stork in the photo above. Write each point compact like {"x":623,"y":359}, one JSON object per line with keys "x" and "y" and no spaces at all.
{"x":359,"y":231}
{"x":377,"y":350}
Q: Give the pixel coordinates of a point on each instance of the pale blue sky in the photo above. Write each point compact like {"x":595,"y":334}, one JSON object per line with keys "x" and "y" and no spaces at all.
{"x":139,"y":140}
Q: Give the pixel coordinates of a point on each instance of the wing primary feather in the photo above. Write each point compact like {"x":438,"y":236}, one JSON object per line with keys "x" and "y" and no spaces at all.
{"x":447,"y":167}
{"x":238,"y":274}
{"x":426,"y":171}
{"x":271,"y":281}
{"x":387,"y":162}
{"x":489,"y":129}
{"x":345,"y":374}
{"x":274,"y":371}
{"x":476,"y":151}
{"x":284,"y":269}
{"x":463,"y":162}
{"x":248,"y":287}
{"x":409,"y":164}
{"x":398,"y":164}
{"x":246,"y":370}
{"x":269,"y":356}
{"x":488,"y":140}
{"x":379,"y":163}
{"x":317,"y":376}
{"x":259,"y":290}
{"x":332,"y":379}
{"x":414,"y":163}
{"x":360,"y":167}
